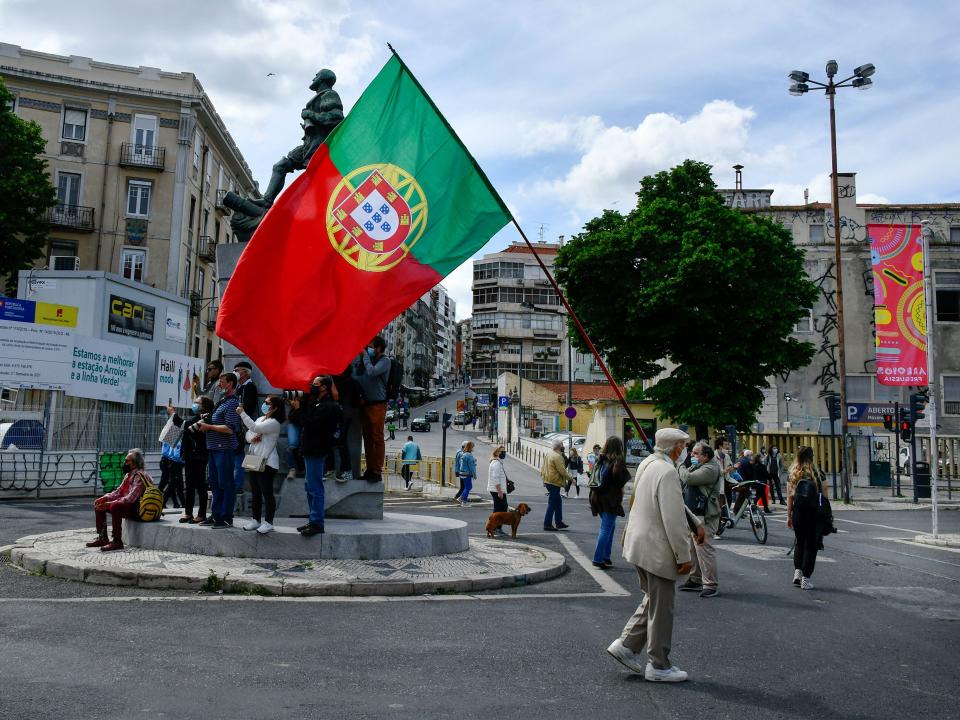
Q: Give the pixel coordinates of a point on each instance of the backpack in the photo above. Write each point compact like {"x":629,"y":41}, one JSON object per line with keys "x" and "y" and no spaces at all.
{"x":394,"y":379}
{"x":805,"y":495}
{"x":151,"y":502}
{"x":598,"y":475}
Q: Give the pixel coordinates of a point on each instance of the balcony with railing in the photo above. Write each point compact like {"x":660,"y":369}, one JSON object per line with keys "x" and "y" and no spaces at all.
{"x":207,"y":249}
{"x":211,"y":318}
{"x":151,"y":157}
{"x":218,"y":203}
{"x":951,"y":407}
{"x":72,"y":217}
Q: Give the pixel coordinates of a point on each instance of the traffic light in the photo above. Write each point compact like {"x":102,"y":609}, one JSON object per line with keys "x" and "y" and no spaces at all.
{"x":906,"y":430}
{"x":888,"y":421}
{"x":445,"y":418}
{"x":918,"y":404}
{"x":833,"y":407}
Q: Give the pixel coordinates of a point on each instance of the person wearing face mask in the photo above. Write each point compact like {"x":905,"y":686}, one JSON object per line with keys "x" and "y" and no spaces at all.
{"x":221,"y":430}
{"x":606,"y":498}
{"x":372,"y":370}
{"x":321,"y":419}
{"x":262,"y":436}
{"x":656,"y":543}
{"x":703,"y":479}
{"x":247,"y":397}
{"x":497,"y":481}
{"x":193,"y":452}
{"x":124,"y":502}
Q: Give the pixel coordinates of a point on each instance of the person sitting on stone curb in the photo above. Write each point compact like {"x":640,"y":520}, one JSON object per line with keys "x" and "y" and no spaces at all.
{"x":320,"y":417}
{"x":123,"y":502}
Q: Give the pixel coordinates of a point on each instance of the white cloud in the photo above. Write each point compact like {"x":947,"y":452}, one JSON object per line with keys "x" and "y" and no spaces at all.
{"x":514,"y":135}
{"x":617,"y":157}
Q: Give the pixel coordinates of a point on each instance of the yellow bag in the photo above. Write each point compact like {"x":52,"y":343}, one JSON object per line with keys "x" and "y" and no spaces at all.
{"x":151,"y":502}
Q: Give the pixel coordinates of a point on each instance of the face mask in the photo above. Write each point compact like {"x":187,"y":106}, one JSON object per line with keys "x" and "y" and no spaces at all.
{"x":128,"y":467}
{"x":694,"y":461}
{"x":314,"y":390}
{"x":265,"y":408}
{"x":683,"y":456}
{"x":503,"y":454}
{"x":370,"y":352}
{"x":195,"y":408}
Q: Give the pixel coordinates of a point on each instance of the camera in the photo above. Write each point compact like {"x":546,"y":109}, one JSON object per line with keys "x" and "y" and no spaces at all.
{"x":293,"y":394}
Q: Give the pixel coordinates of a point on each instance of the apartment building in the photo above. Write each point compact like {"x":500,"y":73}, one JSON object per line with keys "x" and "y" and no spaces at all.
{"x":445,"y":308}
{"x":141,"y":161}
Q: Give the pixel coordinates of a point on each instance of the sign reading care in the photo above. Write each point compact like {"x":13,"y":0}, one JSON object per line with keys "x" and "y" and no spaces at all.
{"x":130,"y":318}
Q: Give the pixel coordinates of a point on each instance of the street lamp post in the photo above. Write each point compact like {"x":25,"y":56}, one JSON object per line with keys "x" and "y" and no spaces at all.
{"x":801,"y":85}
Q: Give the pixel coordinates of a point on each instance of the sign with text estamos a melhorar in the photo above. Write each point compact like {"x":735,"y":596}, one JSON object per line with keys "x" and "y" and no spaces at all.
{"x":103,"y":370}
{"x":178,"y":379}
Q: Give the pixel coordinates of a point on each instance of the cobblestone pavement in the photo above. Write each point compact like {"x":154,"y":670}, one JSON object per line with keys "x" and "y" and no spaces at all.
{"x":487,"y":564}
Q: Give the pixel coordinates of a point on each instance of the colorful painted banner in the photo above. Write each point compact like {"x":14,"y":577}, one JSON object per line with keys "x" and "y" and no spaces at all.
{"x":896,"y":252}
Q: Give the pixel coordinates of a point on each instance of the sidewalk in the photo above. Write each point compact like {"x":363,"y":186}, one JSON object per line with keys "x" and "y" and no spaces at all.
{"x":950,"y":540}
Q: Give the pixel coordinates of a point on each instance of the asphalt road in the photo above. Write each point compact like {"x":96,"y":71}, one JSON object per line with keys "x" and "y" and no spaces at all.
{"x":877,"y":637}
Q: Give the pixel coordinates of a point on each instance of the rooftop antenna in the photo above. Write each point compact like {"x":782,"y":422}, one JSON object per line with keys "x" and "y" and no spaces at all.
{"x":806,"y":196}
{"x":738,"y":178}
{"x":543,"y":230}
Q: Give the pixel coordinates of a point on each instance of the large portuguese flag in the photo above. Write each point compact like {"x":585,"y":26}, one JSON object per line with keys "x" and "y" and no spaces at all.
{"x":388,"y":206}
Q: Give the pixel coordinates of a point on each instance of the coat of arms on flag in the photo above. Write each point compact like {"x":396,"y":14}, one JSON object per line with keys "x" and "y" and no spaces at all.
{"x":374,"y":225}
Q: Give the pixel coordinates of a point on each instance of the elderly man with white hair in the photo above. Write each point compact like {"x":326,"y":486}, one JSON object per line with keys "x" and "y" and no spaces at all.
{"x":554,"y":474}
{"x":656,"y":542}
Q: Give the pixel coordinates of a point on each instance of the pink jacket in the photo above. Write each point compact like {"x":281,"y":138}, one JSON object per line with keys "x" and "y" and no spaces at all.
{"x":130,"y":490}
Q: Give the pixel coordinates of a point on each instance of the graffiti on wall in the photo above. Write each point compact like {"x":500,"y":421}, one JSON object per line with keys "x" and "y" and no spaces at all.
{"x":825,"y":325}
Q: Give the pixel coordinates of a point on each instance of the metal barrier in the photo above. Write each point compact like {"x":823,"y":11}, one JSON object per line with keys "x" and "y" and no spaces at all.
{"x":42,"y":474}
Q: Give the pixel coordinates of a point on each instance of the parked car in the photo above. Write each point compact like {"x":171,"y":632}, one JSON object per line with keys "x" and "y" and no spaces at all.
{"x":432,"y":416}
{"x":391,"y":415}
{"x":419,"y":425}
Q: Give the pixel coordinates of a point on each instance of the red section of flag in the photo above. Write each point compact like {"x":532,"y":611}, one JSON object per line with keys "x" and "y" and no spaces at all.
{"x":294,"y":306}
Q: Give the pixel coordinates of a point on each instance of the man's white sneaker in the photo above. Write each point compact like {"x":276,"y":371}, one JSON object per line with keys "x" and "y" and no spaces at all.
{"x":265,"y":528}
{"x":673,"y":674}
{"x":806,"y":584}
{"x":797,"y":575}
{"x":625,"y":656}
{"x":292,"y":474}
{"x":251,"y":525}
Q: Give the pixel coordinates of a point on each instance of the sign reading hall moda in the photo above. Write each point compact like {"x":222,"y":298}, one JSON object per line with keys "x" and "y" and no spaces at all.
{"x":178,"y":379}
{"x":130,"y":318}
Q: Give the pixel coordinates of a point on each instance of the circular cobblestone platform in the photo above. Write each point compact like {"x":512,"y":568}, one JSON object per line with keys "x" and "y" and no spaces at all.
{"x":488,"y":564}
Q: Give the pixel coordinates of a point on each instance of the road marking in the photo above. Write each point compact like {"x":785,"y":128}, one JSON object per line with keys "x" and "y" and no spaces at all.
{"x":924,"y":546}
{"x":763,"y":552}
{"x":603,"y":579}
{"x":919,"y":557}
{"x":885,"y":527}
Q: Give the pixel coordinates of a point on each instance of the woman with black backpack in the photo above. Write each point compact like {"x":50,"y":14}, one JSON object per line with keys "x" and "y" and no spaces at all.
{"x":804,"y":489}
{"x":609,"y":476}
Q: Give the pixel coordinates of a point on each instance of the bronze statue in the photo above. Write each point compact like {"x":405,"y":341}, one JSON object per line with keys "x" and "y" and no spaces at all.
{"x":320,"y":116}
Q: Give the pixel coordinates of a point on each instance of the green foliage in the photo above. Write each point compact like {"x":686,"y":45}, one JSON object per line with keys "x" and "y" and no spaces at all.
{"x":685,"y":284}
{"x":25,"y":193}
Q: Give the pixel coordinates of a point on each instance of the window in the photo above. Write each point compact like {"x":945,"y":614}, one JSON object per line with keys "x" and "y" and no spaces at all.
{"x":805,"y":324}
{"x":133,"y":263}
{"x":201,"y":280}
{"x":858,"y":388}
{"x":61,"y":248}
{"x":951,"y":394}
{"x":816,"y":234}
{"x":208,"y":170}
{"x":193,"y":210}
{"x":187,"y":267}
{"x":138,"y":198}
{"x":196,"y":346}
{"x":144,"y":136}
{"x":206,"y":222}
{"x":68,"y":188}
{"x":197,"y":150}
{"x":955,"y":234}
{"x":947,"y":296}
{"x":216,"y":231}
{"x":74,"y":124}
{"x":222,"y":180}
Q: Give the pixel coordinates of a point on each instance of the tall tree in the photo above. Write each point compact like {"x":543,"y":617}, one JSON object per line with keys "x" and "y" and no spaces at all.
{"x":25,"y":193}
{"x":692,"y":292}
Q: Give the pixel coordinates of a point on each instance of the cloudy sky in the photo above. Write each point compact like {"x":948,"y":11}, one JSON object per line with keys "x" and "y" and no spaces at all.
{"x":566,"y":105}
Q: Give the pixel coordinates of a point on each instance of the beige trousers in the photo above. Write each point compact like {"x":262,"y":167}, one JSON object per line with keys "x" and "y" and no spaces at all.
{"x":705,"y":558}
{"x":652,"y":623}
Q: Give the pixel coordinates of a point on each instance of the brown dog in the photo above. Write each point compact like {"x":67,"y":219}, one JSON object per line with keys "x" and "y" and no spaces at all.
{"x":511,"y":518}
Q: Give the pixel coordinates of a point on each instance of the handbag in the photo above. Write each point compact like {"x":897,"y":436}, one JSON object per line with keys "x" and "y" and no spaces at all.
{"x":170,"y":433}
{"x":253,"y":463}
{"x":510,"y":486}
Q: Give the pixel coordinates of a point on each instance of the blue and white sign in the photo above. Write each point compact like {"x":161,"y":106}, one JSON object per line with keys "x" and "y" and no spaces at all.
{"x":483,"y":400}
{"x":503,"y":401}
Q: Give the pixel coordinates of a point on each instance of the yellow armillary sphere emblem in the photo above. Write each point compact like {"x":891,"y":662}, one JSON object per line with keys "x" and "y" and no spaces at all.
{"x":375,"y":216}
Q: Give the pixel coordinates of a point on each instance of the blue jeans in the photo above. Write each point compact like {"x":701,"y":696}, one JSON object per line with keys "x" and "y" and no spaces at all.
{"x":554,"y":514}
{"x":314,"y":485}
{"x":220,"y":474}
{"x":608,"y":522}
{"x":293,"y":442}
{"x":238,"y":475}
{"x":467,"y":487}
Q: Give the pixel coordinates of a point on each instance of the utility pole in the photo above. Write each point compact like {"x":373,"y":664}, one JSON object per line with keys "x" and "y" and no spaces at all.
{"x":925,"y":232}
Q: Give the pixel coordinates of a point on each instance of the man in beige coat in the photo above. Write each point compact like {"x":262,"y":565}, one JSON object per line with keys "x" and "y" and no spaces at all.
{"x":656,"y":541}
{"x":554,"y":474}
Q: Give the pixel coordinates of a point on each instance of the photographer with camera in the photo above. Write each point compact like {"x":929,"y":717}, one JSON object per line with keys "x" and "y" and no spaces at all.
{"x":193,"y":453}
{"x":320,"y":417}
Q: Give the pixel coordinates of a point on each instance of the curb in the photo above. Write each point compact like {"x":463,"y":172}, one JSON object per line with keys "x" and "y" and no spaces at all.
{"x":24,"y":554}
{"x":950,"y":541}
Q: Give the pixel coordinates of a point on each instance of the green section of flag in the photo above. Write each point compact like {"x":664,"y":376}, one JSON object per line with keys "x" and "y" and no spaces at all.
{"x":394,"y":121}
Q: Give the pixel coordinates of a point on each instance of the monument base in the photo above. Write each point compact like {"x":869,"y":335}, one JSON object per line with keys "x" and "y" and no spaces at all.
{"x":395,"y":536}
